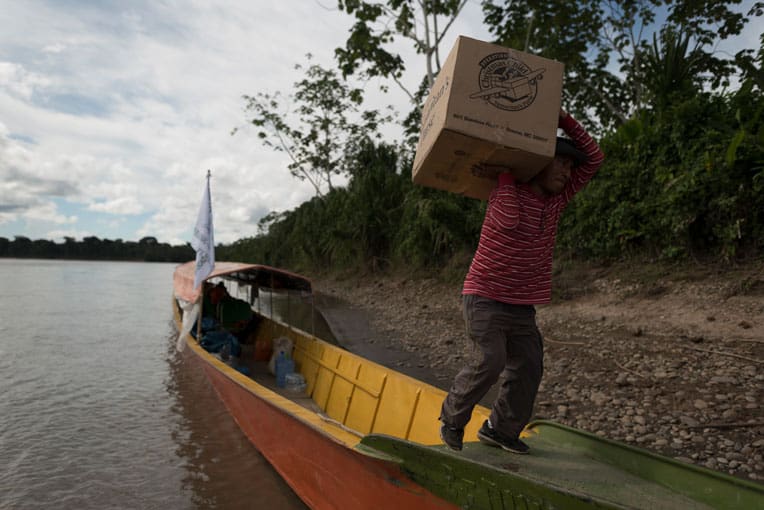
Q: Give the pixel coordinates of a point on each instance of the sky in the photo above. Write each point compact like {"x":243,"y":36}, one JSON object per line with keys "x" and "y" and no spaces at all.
{"x":112,"y":111}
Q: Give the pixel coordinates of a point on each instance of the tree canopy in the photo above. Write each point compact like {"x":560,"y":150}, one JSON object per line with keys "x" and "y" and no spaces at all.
{"x":379,"y":24}
{"x":609,"y":48}
{"x":326,"y":122}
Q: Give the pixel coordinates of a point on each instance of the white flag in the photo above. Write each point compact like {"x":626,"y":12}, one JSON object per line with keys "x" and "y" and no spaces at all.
{"x":204,"y":241}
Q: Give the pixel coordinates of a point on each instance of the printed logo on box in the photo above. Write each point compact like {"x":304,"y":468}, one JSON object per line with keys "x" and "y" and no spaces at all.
{"x":507,"y":83}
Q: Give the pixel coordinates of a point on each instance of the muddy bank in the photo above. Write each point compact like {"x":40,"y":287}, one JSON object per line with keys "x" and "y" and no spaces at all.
{"x":672,"y":361}
{"x":358,"y":330}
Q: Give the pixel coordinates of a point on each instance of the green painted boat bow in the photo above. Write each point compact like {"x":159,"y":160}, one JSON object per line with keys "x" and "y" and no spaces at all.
{"x":567,"y":469}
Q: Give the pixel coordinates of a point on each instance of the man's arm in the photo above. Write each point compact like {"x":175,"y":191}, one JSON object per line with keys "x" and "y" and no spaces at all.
{"x":583,"y":173}
{"x":503,"y":209}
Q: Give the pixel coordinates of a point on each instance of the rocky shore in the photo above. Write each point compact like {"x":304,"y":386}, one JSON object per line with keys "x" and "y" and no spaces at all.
{"x":671,"y":361}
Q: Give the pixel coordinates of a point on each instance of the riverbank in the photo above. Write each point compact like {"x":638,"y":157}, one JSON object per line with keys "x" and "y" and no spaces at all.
{"x":667,"y":358}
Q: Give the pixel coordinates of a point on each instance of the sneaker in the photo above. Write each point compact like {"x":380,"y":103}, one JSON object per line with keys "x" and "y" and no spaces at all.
{"x":452,"y":436}
{"x":491,"y":437}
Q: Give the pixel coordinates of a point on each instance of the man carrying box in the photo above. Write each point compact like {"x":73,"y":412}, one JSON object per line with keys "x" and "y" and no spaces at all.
{"x":510,"y":273}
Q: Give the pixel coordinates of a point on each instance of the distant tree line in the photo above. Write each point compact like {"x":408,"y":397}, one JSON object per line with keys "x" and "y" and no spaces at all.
{"x":148,"y":249}
{"x":684,"y":169}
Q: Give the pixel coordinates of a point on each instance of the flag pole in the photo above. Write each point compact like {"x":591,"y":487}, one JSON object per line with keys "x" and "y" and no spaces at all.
{"x":203,"y":242}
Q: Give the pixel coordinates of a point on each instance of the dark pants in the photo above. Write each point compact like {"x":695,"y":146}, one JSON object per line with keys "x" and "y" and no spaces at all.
{"x":507,"y":343}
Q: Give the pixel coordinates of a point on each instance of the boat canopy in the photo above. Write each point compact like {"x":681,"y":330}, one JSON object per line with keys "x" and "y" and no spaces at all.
{"x":247,"y":274}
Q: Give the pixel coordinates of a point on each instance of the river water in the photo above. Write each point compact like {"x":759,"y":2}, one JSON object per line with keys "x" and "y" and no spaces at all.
{"x":98,"y":409}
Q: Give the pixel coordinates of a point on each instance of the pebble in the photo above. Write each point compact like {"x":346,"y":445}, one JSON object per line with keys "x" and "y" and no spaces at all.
{"x":599,"y":398}
{"x":688,"y":421}
{"x":722,"y":380}
{"x":700,"y":404}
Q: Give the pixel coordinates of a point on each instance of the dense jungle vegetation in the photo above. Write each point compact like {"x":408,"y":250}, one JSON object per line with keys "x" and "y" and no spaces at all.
{"x":148,"y":249}
{"x":681,"y":126}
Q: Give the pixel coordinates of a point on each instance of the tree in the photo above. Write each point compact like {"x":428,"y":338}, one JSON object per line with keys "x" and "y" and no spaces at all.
{"x":424,"y":22}
{"x":588,"y":35}
{"x":670,"y":69}
{"x":328,"y":123}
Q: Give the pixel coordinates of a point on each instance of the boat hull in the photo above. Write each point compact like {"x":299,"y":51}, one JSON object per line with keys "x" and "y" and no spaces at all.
{"x":323,"y":472}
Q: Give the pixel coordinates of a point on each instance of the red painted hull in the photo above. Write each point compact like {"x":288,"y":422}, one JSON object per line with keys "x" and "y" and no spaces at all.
{"x":325,"y":474}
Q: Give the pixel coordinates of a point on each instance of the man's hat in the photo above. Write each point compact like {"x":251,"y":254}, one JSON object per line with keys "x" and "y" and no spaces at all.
{"x":565,"y":147}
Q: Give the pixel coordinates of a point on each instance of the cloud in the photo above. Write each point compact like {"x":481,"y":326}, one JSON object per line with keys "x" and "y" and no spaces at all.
{"x":54,"y":48}
{"x":19,"y":82}
{"x":26,"y":186}
{"x":121,"y":206}
{"x":47,"y":212}
{"x":130,"y":112}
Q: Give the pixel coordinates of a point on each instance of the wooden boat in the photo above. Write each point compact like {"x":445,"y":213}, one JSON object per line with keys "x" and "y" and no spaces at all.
{"x":361,"y":435}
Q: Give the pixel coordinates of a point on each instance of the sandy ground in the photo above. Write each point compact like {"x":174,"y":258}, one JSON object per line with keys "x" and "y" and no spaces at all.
{"x":667,"y":358}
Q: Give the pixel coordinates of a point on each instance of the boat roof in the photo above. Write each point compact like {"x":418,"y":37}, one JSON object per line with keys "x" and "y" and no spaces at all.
{"x":248,"y":274}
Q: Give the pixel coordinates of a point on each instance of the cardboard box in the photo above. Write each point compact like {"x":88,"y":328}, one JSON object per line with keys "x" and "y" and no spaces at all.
{"x":489,"y":104}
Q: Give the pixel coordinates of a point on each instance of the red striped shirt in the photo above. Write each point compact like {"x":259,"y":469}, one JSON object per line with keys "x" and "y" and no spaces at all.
{"x":513,"y":261}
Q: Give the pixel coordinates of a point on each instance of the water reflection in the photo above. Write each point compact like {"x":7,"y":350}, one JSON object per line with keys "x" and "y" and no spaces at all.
{"x":223,"y":469}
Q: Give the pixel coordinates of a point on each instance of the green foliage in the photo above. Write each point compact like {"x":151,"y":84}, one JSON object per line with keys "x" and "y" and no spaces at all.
{"x":610,"y":64}
{"x":379,"y":24}
{"x":379,"y":220}
{"x":684,"y":181}
{"x":147,"y":249}
{"x":436,"y":226}
{"x":670,"y":69}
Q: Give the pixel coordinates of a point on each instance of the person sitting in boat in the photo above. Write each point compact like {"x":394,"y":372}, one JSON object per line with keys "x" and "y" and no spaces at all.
{"x":213,"y":296}
{"x":233,"y":314}
{"x":511,"y":272}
